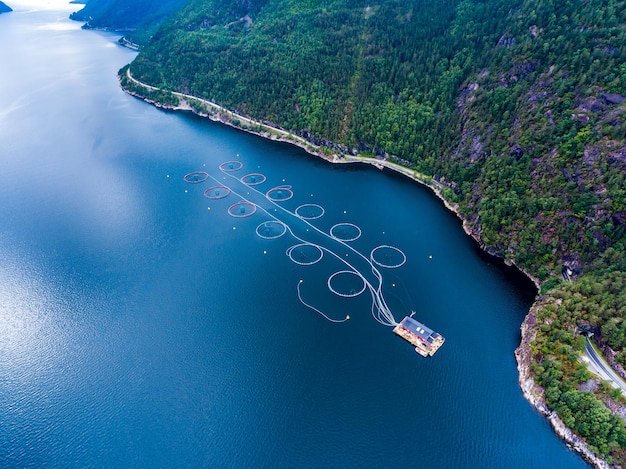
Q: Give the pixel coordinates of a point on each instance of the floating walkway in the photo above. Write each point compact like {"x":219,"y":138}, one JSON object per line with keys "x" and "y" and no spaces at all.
{"x":425,"y":340}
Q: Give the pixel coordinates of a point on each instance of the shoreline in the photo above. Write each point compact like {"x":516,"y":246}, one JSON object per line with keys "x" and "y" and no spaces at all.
{"x":531,"y":391}
{"x":226,"y":116}
{"x":535,"y":393}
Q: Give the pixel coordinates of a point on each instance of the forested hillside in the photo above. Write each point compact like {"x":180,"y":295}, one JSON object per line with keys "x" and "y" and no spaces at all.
{"x":347,"y":71}
{"x":139,"y":19}
{"x":516,"y":106}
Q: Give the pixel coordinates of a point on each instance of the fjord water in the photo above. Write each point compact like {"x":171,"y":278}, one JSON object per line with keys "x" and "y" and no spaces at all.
{"x":141,"y":325}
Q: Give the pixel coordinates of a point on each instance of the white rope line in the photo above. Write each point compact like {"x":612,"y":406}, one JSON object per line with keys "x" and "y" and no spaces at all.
{"x":380,"y":310}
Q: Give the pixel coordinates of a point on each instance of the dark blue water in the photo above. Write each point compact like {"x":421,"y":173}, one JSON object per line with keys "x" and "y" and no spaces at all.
{"x":141,"y":325}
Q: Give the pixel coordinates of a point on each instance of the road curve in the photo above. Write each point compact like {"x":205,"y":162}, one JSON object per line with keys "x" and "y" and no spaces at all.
{"x":603,"y":369}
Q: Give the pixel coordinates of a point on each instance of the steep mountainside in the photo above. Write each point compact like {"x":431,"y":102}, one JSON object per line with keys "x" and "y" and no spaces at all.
{"x":138,"y":18}
{"x":349,"y":71}
{"x":516,"y":106}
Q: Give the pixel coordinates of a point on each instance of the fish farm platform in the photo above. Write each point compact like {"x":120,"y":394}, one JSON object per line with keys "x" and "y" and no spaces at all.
{"x":425,"y":340}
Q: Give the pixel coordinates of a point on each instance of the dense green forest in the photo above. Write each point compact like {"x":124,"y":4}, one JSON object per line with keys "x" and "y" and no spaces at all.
{"x":517,"y":107}
{"x":139,"y":19}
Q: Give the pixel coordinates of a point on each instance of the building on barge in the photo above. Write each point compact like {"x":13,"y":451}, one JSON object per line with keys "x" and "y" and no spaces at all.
{"x":425,"y":340}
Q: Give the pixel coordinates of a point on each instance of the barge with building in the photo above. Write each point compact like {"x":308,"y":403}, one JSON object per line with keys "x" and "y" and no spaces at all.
{"x":425,"y":340}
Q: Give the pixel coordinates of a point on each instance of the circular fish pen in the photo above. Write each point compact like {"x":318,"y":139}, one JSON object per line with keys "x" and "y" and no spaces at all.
{"x":387,"y":256}
{"x":346,"y":283}
{"x":310,"y":211}
{"x":217,"y":192}
{"x":253,"y":179}
{"x":279,"y":194}
{"x":345,"y":232}
{"x":196,"y":177}
{"x":305,"y":254}
{"x":230,"y":166}
{"x":241,"y":209}
{"x":271,"y":229}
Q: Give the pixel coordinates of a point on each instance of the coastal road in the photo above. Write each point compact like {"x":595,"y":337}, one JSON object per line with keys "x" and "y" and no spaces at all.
{"x":297,"y":140}
{"x":227,"y":112}
{"x":379,"y":163}
{"x":601,"y":368}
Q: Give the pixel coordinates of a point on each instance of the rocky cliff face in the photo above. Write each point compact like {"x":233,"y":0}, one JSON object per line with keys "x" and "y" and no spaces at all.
{"x":535,"y":393}
{"x":531,"y":177}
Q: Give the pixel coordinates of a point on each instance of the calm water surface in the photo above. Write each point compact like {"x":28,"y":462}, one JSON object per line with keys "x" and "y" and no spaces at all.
{"x":141,"y":325}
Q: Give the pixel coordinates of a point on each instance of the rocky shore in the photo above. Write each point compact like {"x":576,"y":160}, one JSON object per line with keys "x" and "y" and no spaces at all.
{"x":535,"y":393}
{"x":531,"y":390}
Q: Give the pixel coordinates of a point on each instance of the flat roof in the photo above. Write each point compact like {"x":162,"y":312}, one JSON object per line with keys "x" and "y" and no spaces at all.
{"x":419,"y":329}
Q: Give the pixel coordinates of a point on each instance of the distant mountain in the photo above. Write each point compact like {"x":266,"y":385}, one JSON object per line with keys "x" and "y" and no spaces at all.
{"x":4,"y":8}
{"x":138,"y":18}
